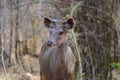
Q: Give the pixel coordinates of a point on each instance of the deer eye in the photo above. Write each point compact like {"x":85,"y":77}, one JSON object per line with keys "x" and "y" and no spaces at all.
{"x":60,"y":33}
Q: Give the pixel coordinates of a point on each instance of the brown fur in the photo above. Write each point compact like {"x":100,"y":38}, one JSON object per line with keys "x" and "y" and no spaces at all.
{"x":57,"y":62}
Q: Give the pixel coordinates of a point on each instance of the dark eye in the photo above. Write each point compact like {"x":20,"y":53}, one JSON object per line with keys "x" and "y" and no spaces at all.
{"x":61,"y":32}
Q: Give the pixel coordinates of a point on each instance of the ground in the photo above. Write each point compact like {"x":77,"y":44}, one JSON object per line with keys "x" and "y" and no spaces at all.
{"x":27,"y":70}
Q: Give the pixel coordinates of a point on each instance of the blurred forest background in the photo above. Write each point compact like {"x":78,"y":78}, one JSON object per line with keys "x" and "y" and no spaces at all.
{"x":95,"y":39}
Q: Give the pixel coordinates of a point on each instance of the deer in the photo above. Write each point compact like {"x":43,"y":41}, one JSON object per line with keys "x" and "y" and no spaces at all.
{"x":56,"y":59}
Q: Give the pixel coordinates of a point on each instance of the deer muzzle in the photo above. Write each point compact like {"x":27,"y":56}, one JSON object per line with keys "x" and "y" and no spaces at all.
{"x":49,"y":43}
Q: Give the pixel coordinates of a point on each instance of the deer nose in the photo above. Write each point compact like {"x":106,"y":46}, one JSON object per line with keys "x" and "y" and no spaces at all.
{"x":49,"y":43}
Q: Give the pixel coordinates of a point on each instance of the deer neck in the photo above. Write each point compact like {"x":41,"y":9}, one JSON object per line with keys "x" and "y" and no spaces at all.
{"x":62,"y":49}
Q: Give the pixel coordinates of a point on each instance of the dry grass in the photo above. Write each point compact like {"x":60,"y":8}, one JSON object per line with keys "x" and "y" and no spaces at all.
{"x":28,"y":70}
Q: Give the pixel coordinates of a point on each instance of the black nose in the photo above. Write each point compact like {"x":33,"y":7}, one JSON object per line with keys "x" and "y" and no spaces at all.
{"x":49,"y":43}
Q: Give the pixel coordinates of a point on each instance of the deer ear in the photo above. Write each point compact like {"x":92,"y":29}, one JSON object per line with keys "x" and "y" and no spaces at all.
{"x":70,"y":23}
{"x":47,"y":22}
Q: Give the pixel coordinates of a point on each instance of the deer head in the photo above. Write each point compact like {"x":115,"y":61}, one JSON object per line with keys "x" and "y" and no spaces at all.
{"x":58,"y":30}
